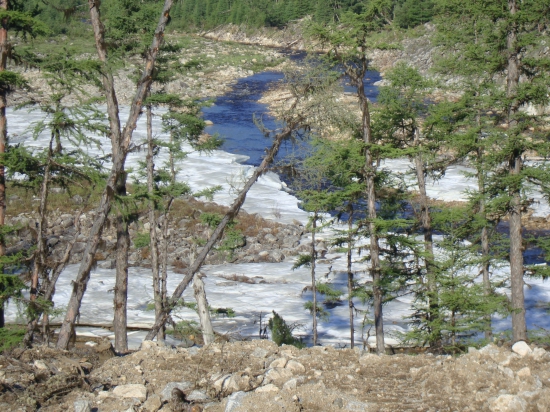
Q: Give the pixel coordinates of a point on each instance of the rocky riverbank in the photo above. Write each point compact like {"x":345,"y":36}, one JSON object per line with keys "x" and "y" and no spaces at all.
{"x":208,"y":69}
{"x":263,"y":240}
{"x":259,"y":375}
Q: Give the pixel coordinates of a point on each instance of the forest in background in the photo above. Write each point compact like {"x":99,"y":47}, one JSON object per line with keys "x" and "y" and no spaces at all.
{"x":189,"y":14}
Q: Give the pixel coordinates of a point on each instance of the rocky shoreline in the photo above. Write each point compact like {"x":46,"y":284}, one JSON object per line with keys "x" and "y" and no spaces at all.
{"x":265,"y":241}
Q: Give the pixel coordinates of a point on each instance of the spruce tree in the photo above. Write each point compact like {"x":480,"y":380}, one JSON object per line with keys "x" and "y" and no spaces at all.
{"x":348,"y":46}
{"x":498,"y":40}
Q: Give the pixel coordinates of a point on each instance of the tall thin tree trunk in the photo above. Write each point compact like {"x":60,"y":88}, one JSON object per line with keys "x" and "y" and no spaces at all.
{"x":153,"y":244}
{"x":484,"y":239}
{"x":313,"y":284}
{"x":370,"y":174}
{"x":203,"y":311}
{"x":120,"y":300}
{"x":40,"y":252}
{"x":164,"y":273}
{"x":218,"y":232}
{"x":350,"y":280}
{"x":120,"y":144}
{"x":4,"y":46}
{"x":427,"y":230}
{"x":519,"y":326}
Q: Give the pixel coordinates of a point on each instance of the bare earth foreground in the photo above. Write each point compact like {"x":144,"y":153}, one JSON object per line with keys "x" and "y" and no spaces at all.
{"x":260,"y":376}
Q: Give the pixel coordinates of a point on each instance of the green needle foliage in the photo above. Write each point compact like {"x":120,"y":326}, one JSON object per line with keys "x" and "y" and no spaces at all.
{"x":281,"y":332}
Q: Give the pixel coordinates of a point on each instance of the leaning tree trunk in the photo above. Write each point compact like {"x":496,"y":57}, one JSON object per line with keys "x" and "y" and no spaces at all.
{"x":3,"y":139}
{"x":218,"y":232}
{"x":519,"y":326}
{"x":120,"y":144}
{"x":203,"y":311}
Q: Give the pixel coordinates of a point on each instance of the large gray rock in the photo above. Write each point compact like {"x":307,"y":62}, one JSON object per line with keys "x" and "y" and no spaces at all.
{"x":133,"y":390}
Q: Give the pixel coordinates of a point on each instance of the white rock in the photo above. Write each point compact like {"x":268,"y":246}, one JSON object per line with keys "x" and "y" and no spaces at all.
{"x":197,"y":396}
{"x":148,"y":344}
{"x":508,"y":403}
{"x":539,"y":354}
{"x":521,"y":348}
{"x":267,"y":388}
{"x":260,"y":353}
{"x":278,"y":363}
{"x":39,"y":364}
{"x":290,"y":385}
{"x":219,"y":382}
{"x":234,"y":401}
{"x":82,"y":405}
{"x":132,"y":390}
{"x":524,"y":372}
{"x":295,"y":367}
{"x":278,"y":375}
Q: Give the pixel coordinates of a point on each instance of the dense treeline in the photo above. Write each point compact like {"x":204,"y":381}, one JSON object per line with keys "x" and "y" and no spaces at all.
{"x":66,"y":17}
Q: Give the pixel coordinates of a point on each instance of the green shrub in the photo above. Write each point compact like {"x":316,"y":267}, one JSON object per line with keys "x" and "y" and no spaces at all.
{"x":281,"y":333}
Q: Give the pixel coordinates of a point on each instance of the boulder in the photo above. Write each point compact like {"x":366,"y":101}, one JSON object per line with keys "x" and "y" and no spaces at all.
{"x":153,"y":404}
{"x":278,"y":375}
{"x":522,"y":348}
{"x":278,"y":363}
{"x":132,"y":390}
{"x":295,"y":367}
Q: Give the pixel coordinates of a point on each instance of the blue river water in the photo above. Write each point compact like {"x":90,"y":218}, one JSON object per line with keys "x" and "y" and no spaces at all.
{"x":233,"y":117}
{"x":233,"y":114}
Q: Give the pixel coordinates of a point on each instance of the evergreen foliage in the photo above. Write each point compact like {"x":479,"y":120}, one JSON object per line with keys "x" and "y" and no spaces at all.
{"x":281,"y":332}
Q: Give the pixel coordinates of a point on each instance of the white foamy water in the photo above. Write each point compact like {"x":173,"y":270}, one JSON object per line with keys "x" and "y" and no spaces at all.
{"x":277,"y":287}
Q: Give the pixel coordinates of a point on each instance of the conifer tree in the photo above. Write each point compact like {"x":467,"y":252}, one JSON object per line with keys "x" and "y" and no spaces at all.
{"x":120,"y":140}
{"x":493,"y":38}
{"x":11,"y":17}
{"x":349,"y":46}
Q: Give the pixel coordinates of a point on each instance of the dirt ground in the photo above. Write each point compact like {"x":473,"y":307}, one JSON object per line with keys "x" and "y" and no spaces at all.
{"x":258,"y":375}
